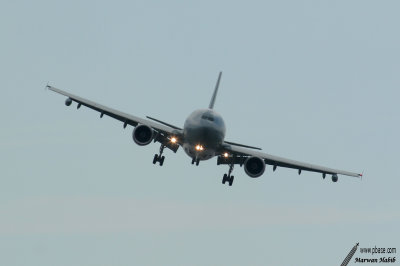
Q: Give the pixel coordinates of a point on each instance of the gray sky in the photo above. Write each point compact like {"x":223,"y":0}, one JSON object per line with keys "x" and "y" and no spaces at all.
{"x":316,"y":81}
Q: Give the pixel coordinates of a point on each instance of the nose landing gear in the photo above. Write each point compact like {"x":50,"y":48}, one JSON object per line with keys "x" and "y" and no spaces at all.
{"x":158,"y":157}
{"x":228,"y":177}
{"x":195,"y":160}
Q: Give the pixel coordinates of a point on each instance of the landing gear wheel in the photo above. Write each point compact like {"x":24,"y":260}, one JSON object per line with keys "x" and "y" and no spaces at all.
{"x":228,"y":177}
{"x":197,"y":162}
{"x":231,"y":180}
{"x":193,"y":160}
{"x":224,"y":179}
{"x":158,"y":157}
{"x":155,"y":158}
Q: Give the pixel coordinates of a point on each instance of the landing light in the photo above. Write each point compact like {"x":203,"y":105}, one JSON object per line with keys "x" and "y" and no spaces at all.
{"x":226,"y":155}
{"x":199,"y":148}
{"x":173,"y":140}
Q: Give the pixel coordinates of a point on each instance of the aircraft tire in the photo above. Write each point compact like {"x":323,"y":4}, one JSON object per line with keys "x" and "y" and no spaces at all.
{"x":155,"y":159}
{"x":224,"y":178}
{"x":162,"y":160}
{"x":231,"y":180}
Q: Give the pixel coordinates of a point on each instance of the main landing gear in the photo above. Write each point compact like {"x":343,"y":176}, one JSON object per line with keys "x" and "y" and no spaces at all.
{"x":228,"y":177}
{"x":158,"y":157}
{"x":195,"y":160}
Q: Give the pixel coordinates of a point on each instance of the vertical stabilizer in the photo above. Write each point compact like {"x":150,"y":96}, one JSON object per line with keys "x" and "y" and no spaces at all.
{"x":211,"y":106}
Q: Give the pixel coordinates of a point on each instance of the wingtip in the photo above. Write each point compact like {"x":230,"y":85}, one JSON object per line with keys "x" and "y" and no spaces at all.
{"x":361,"y":175}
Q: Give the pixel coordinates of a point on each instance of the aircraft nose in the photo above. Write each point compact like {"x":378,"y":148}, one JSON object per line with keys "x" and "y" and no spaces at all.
{"x":209,"y":133}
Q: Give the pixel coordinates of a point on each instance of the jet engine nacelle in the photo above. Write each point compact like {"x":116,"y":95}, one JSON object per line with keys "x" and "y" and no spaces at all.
{"x":334,"y":178}
{"x":254,"y":166}
{"x":142,"y":135}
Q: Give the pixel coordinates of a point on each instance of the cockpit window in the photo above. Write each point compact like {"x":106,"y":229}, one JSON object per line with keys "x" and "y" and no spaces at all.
{"x":208,"y":117}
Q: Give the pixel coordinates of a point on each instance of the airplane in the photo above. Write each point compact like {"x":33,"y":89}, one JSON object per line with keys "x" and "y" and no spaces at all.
{"x":202,"y":138}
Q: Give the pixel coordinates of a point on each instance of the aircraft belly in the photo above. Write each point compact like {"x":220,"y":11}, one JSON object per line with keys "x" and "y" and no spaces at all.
{"x":205,"y":129}
{"x":203,"y":155}
{"x":209,"y":138}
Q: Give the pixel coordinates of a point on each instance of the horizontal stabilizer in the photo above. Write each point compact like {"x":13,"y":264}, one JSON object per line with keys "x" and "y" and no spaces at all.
{"x":164,"y":123}
{"x":241,"y":145}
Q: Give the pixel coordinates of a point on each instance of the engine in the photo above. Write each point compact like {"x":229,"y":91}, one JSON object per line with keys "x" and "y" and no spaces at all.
{"x":142,"y":135}
{"x":334,"y":178}
{"x":254,"y":166}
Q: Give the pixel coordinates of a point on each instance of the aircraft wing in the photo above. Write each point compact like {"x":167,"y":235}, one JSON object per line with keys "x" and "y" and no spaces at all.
{"x":127,"y":119}
{"x":276,"y":161}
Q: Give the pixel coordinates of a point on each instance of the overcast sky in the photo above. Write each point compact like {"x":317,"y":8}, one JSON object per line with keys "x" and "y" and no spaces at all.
{"x":315,"y":81}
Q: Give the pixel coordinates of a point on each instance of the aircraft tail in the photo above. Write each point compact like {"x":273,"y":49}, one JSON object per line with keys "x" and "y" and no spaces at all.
{"x":211,"y":106}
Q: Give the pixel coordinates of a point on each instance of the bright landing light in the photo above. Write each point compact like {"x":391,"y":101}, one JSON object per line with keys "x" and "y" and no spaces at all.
{"x":173,"y":140}
{"x":226,"y":155}
{"x":199,"y":148}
